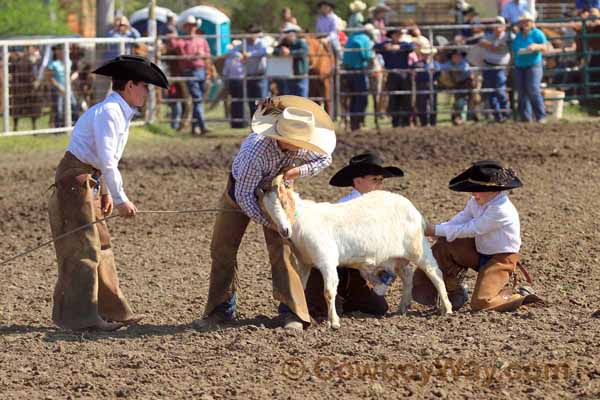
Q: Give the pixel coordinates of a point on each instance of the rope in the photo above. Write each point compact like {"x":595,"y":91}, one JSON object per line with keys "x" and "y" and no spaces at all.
{"x":50,"y":241}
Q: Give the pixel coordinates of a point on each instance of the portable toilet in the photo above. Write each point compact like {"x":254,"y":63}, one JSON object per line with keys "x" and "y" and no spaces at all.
{"x":215,"y":25}
{"x":139,"y":20}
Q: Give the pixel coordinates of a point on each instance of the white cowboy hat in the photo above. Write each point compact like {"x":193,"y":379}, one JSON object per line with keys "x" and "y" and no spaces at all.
{"x":526,"y":16}
{"x":297,"y":121}
{"x":423,"y":46}
{"x":290,"y":27}
{"x":358,"y":5}
{"x":190,"y":20}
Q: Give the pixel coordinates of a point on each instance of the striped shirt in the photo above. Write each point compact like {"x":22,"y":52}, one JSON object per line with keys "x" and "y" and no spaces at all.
{"x":259,"y":161}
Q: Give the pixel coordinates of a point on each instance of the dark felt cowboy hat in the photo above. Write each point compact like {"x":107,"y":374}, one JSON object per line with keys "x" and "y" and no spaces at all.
{"x":362,"y":165}
{"x":329,"y":3}
{"x":134,"y":68}
{"x":485,"y":176}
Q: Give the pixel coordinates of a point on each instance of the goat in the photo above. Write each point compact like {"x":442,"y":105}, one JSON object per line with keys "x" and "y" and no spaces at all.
{"x":377,"y":230}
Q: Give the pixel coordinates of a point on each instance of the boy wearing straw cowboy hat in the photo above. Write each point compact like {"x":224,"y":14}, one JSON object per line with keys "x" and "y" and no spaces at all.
{"x":486,"y":237}
{"x":290,"y":134}
{"x":87,"y":293}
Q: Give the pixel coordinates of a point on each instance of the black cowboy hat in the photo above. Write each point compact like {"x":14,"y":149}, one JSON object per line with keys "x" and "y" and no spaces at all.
{"x":362,"y":165}
{"x":485,"y":176}
{"x":391,"y":31}
{"x":253,"y":28}
{"x":329,"y":3}
{"x":134,"y":68}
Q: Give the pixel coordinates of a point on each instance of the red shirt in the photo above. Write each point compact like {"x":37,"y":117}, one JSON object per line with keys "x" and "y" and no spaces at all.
{"x":195,"y":47}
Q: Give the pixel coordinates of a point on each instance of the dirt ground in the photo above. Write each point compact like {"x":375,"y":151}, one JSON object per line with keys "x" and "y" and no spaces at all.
{"x":539,"y":353}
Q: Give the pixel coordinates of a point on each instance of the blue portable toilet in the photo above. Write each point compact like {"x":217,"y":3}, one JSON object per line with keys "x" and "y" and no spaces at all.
{"x":215,"y":24}
{"x":139,"y":20}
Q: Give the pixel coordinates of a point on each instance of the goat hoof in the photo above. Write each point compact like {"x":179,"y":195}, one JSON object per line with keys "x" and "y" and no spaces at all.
{"x":403,"y":309}
{"x":335,"y":325}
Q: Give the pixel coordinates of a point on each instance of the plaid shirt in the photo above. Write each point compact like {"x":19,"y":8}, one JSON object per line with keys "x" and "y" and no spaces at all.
{"x":259,"y":161}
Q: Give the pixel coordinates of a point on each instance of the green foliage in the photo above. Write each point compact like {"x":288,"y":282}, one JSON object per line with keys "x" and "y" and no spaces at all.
{"x":31,"y":17}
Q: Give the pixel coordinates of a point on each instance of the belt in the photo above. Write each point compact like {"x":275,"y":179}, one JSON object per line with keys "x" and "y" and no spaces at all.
{"x":493,"y":65}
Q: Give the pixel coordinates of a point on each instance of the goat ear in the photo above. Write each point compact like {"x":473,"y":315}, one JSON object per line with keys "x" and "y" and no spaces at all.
{"x":277,"y":181}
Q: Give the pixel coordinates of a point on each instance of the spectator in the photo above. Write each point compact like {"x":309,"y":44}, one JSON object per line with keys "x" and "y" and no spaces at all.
{"x":496,"y":57}
{"x":255,"y":60}
{"x":327,"y":25}
{"x":56,"y":75}
{"x":296,"y":47}
{"x":356,"y":18}
{"x":178,"y":91}
{"x":428,"y":71}
{"x":287,"y":18}
{"x":528,"y":46}
{"x":356,"y":59}
{"x":121,"y":29}
{"x":395,"y":53}
{"x":514,"y":10}
{"x":585,"y":8}
{"x":456,"y":74}
{"x":195,"y":64}
{"x":378,"y":21}
{"x":233,"y":72}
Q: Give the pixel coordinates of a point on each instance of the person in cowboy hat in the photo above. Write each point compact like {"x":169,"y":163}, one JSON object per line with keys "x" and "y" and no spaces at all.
{"x":364,"y":173}
{"x":327,"y":24}
{"x":290,"y":134}
{"x":428,"y":72}
{"x":528,"y":46}
{"x":485,"y":236}
{"x":87,"y":186}
{"x":292,"y":45}
{"x":396,"y":52}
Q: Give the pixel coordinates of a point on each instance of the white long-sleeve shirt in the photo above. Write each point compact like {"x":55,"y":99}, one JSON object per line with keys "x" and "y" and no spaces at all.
{"x":350,"y":196}
{"x":99,"y":138}
{"x":495,"y":226}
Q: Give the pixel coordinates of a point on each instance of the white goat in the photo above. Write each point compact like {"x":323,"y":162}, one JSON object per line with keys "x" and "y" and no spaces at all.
{"x":377,"y":230}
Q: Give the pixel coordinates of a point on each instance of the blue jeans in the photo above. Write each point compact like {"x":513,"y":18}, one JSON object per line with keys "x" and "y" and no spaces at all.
{"x":426,"y":105}
{"x":236,"y":89}
{"x":196,"y":88}
{"x":227,"y":308}
{"x":256,"y":89}
{"x":527,"y":84}
{"x":58,"y":108}
{"x":497,"y":100}
{"x":399,"y":104}
{"x":296,"y":87}
{"x":358,"y":102}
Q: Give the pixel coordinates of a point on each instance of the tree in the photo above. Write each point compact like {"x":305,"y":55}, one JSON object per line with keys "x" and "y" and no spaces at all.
{"x":32,"y":17}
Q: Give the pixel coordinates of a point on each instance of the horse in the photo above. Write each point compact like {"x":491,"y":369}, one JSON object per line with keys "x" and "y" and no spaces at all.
{"x":321,"y":67}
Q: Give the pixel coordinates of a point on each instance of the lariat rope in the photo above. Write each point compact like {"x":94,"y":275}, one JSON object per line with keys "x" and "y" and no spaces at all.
{"x":50,"y":241}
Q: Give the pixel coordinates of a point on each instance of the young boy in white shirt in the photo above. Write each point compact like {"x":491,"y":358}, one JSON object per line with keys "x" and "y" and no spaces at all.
{"x":364,"y":173}
{"x":485,"y":236}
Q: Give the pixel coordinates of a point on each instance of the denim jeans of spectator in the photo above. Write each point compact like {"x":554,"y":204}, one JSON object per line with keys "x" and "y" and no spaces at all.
{"x":176,"y":112}
{"x":196,"y":89}
{"x":236,"y":90}
{"x":296,"y":87}
{"x":357,"y":83}
{"x":58,"y":108}
{"x":527,"y":84}
{"x":257,"y":89}
{"x":426,"y":105}
{"x":497,"y":100}
{"x":399,"y":105}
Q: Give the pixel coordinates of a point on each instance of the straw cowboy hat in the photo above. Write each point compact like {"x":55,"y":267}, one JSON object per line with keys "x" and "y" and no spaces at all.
{"x":423,"y":46}
{"x":364,"y":164}
{"x":290,"y":27}
{"x":297,"y":121}
{"x":134,"y":68}
{"x":357,"y":6}
{"x":526,"y":16}
{"x":485,"y":176}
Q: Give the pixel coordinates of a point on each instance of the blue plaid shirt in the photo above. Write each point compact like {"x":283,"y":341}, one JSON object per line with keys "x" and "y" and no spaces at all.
{"x":259,"y":161}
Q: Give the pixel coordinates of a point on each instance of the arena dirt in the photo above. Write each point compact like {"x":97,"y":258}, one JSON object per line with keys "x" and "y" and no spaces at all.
{"x":164,"y":261}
